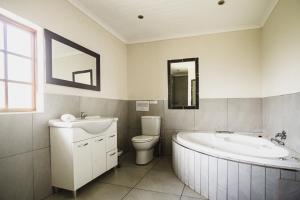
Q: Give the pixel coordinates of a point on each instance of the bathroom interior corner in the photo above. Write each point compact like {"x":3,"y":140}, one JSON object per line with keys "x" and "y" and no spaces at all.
{"x":149,"y":100}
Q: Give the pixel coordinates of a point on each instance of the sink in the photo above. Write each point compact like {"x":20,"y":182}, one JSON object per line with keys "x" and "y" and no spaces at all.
{"x":92,"y":126}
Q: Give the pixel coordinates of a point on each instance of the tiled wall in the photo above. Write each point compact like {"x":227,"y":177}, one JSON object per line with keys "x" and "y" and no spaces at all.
{"x":24,"y":143}
{"x":24,"y":138}
{"x":283,"y":113}
{"x":213,"y":114}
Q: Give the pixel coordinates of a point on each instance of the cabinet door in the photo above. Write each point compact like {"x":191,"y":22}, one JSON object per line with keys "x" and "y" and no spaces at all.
{"x":111,"y":142}
{"x":112,"y":159}
{"x":99,"y":156}
{"x":82,"y":163}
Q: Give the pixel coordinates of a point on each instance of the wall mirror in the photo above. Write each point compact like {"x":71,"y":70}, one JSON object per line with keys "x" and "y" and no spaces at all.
{"x":70,"y":64}
{"x":183,"y":83}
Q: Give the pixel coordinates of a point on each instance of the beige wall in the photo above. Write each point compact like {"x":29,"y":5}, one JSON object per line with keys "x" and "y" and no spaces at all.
{"x":229,"y":65}
{"x":61,"y":17}
{"x":281,"y":50}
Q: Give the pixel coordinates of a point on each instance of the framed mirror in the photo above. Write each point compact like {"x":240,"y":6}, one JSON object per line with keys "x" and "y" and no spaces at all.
{"x":70,"y":64}
{"x":183,"y":84}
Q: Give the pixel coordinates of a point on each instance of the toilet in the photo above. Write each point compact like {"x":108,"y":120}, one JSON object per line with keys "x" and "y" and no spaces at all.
{"x":144,"y":143}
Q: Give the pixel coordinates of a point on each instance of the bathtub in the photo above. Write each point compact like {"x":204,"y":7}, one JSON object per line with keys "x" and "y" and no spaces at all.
{"x":235,"y":166}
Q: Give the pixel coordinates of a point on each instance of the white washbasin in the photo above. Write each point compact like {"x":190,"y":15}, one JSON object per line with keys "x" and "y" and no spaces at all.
{"x":92,"y":126}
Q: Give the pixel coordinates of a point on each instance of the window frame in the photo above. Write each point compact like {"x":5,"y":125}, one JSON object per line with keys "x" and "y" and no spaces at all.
{"x":33,"y":58}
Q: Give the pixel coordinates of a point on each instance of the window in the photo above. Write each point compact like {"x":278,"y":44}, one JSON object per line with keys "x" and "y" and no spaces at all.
{"x":17,"y":66}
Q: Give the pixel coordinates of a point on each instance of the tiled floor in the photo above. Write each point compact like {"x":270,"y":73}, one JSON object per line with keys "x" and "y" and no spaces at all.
{"x":155,"y":181}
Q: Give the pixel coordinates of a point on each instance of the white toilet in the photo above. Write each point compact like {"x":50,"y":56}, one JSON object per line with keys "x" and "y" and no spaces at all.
{"x":144,"y":144}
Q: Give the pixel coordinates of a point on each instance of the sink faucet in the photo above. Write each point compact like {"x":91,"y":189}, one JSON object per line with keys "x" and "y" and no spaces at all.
{"x":279,"y":138}
{"x":83,"y":115}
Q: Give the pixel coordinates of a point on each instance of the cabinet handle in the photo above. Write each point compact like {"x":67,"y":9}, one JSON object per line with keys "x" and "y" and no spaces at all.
{"x":112,"y":136}
{"x":113,"y":154}
{"x":99,"y":140}
{"x":83,"y":145}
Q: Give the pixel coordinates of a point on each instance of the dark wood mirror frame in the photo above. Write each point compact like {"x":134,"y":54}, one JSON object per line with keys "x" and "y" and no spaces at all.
{"x":170,"y":105}
{"x":49,"y":36}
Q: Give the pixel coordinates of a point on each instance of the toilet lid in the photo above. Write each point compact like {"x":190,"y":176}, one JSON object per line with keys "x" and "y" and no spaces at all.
{"x":142,"y":138}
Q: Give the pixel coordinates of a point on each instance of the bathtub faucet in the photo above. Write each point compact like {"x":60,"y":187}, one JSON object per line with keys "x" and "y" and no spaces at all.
{"x":279,"y":138}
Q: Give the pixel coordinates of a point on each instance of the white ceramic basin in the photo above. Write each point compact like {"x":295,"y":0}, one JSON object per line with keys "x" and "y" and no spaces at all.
{"x":92,"y":126}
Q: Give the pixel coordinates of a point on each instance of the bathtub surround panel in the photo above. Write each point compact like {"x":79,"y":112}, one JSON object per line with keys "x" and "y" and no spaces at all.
{"x":233,"y":180}
{"x":258,"y":182}
{"x":272,"y":177}
{"x":213,"y":114}
{"x":213,"y":177}
{"x":222,"y":179}
{"x":24,"y":150}
{"x":245,"y":181}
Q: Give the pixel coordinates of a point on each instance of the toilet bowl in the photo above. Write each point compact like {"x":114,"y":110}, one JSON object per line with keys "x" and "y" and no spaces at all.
{"x":144,"y":144}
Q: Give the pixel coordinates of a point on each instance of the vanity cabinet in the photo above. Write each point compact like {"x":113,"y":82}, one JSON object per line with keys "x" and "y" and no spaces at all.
{"x":77,"y":156}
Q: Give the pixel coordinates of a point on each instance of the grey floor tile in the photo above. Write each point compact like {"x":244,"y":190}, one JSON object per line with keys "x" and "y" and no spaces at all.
{"x":164,"y":164}
{"x":62,"y":195}
{"x":103,"y":191}
{"x":128,"y":160}
{"x":161,"y":181}
{"x":124,"y":176}
{"x":137,"y":194}
{"x":193,"y":198}
{"x":188,"y":192}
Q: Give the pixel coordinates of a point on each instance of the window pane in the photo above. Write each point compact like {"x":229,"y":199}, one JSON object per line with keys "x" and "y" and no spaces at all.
{"x":1,"y":36}
{"x":19,"y":95}
{"x":2,"y":94}
{"x":2,"y":65}
{"x":18,"y":41}
{"x":19,"y":69}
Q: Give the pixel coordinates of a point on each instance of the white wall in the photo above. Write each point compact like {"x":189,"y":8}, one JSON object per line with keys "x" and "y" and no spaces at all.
{"x":62,"y":18}
{"x":229,"y":65}
{"x":281,"y":50}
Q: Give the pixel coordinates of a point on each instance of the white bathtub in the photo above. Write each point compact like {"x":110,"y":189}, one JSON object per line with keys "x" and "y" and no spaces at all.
{"x":235,"y":166}
{"x":238,"y":147}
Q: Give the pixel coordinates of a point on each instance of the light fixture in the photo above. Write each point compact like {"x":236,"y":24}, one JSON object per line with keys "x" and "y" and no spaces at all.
{"x":221,"y":2}
{"x":140,"y":16}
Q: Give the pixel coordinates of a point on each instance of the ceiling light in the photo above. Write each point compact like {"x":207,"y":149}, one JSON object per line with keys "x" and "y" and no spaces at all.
{"x":221,"y":2}
{"x":140,"y":16}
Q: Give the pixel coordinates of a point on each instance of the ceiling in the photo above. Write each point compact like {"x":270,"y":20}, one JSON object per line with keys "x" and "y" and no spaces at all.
{"x":165,"y":19}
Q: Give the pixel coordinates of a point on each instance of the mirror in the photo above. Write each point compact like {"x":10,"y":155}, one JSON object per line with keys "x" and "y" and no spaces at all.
{"x":183,"y":84}
{"x":70,"y":64}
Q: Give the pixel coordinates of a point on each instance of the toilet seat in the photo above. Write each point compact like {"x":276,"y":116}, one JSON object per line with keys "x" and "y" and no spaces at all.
{"x":142,"y":138}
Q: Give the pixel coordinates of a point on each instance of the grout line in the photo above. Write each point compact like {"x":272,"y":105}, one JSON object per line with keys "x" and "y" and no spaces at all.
{"x":139,"y":181}
{"x":182,"y":190}
{"x":33,"y":190}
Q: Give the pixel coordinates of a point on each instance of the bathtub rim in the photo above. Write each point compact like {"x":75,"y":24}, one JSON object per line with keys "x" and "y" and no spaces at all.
{"x":288,"y":164}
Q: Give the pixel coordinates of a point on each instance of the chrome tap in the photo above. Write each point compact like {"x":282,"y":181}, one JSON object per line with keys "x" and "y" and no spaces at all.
{"x":280,"y":138}
{"x":83,"y":115}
